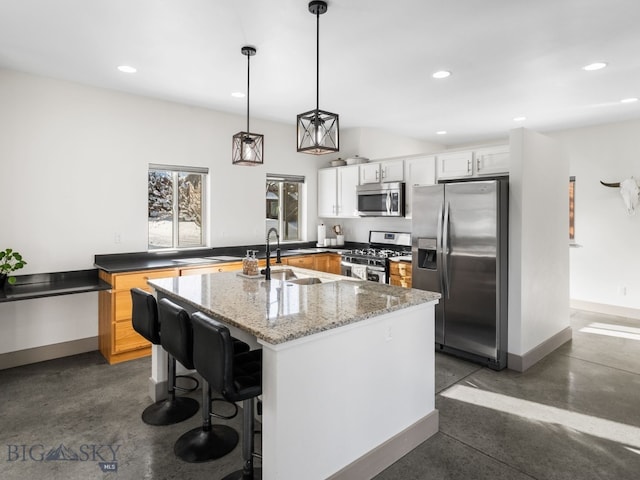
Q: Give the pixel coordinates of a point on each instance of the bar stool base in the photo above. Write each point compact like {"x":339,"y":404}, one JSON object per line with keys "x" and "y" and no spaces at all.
{"x":199,"y":445}
{"x":170,"y":411}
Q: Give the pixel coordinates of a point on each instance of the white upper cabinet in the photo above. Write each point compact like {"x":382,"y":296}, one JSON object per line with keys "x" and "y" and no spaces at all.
{"x":455,"y":164}
{"x":492,"y":160}
{"x":327,"y":192}
{"x":418,"y":171}
{"x":388,"y":171}
{"x":471,"y":163}
{"x":337,"y":192}
{"x":347,"y":198}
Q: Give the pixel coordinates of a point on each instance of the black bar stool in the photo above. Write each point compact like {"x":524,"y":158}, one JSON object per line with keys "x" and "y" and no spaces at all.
{"x":146,"y":322}
{"x":238,"y":376}
{"x":209,"y":442}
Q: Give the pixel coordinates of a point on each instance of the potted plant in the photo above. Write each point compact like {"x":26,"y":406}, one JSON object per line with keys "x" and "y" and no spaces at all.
{"x":10,"y":261}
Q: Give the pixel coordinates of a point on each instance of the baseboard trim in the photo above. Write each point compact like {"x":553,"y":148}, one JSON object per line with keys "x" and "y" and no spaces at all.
{"x":616,"y":310}
{"x":47,"y":352}
{"x":389,"y":452}
{"x":520,"y":363}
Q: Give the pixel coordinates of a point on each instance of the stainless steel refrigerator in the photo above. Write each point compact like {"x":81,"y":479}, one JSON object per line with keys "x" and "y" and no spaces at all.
{"x":460,"y":249}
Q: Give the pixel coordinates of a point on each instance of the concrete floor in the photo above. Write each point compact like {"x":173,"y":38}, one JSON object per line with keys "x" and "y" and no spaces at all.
{"x":575,"y":415}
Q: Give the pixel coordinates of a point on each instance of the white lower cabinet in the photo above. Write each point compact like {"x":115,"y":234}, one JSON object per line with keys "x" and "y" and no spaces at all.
{"x":337,"y":192}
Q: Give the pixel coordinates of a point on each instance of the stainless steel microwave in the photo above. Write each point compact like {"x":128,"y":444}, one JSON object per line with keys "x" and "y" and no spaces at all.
{"x":381,"y":199}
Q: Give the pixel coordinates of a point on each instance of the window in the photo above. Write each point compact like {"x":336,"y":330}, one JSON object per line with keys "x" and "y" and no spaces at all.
{"x":176,"y":206}
{"x":283,"y":202}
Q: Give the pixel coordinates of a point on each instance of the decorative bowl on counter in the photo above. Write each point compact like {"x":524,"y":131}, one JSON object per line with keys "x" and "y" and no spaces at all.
{"x":337,"y":163}
{"x":356,"y":159}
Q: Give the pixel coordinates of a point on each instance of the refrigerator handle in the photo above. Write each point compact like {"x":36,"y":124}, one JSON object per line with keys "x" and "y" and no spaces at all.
{"x":445,"y":250}
{"x":439,"y":250}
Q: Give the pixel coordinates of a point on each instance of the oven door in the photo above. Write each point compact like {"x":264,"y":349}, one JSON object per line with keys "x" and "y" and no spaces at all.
{"x":381,"y":200}
{"x":376,"y":274}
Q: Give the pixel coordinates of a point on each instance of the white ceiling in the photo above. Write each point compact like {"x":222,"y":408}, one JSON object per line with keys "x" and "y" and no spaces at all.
{"x":508,"y":58}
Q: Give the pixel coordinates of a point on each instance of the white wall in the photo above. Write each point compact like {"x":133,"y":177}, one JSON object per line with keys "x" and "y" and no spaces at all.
{"x":607,"y":257}
{"x":538,"y":240}
{"x":74,"y":174}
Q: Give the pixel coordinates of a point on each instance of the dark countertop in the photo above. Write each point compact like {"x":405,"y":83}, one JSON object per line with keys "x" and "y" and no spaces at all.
{"x":130,"y":262}
{"x":43,"y":285}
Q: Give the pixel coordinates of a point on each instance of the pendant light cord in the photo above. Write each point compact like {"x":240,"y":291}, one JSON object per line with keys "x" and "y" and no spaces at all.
{"x":248,"y":74}
{"x":317,"y":60}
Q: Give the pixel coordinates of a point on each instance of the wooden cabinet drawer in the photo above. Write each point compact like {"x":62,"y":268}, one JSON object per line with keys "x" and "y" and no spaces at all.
{"x":126,"y":338}
{"x":127,"y":281}
{"x":400,"y":268}
{"x":302,"y":262}
{"x":218,"y":268}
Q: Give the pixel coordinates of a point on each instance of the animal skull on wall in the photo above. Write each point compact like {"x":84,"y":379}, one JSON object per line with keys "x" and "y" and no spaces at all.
{"x":630,"y":192}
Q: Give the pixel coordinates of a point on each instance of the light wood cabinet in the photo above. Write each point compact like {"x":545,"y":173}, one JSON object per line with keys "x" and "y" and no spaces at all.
{"x":117,"y":339}
{"x":119,"y":342}
{"x":400,"y":274}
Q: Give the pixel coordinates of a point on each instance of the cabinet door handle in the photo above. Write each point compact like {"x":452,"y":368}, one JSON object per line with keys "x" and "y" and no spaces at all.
{"x":478,"y":164}
{"x":468,"y":166}
{"x":377,"y":175}
{"x":383,"y":173}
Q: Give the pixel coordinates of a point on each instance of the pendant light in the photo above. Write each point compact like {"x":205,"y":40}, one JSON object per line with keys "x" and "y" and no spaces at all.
{"x":317,"y":129}
{"x":248,"y":147}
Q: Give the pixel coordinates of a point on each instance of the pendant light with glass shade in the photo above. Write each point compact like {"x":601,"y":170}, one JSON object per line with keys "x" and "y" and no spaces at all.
{"x":247,"y":146}
{"x":318,"y":129}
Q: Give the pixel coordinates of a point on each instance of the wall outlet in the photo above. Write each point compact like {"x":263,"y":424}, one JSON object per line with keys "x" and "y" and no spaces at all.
{"x":116,"y":238}
{"x":389,"y":335}
{"x":622,"y":290}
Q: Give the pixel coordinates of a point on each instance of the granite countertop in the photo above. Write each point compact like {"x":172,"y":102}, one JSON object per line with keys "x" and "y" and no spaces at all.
{"x":278,"y":311}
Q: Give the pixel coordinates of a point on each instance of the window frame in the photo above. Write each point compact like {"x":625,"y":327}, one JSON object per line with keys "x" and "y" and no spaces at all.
{"x":176,"y":171}
{"x":282,"y":180}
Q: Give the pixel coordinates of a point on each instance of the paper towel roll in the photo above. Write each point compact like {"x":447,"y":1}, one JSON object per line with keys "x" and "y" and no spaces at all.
{"x":322,"y":234}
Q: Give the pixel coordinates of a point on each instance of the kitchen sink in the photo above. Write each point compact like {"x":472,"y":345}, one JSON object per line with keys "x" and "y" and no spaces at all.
{"x":305,"y":281}
{"x":284,"y":274}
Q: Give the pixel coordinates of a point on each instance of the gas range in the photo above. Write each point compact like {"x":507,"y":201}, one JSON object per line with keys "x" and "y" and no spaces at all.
{"x":372,"y":263}
{"x":373,"y":256}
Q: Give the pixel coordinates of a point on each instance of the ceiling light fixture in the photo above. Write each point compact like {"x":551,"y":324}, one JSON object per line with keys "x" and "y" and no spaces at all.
{"x":629,"y":100}
{"x":594,"y":66}
{"x":519,"y":119}
{"x":441,"y":74}
{"x":238,"y":95}
{"x":441,"y":132}
{"x":127,"y":69}
{"x":248,"y":147}
{"x":317,"y":129}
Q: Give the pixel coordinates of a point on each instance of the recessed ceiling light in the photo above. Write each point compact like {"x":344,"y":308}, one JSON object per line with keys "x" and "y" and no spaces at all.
{"x":594,"y":66}
{"x":441,"y":74}
{"x":519,"y":119}
{"x":441,"y":132}
{"x":629,"y":100}
{"x":238,"y":95}
{"x":127,"y":69}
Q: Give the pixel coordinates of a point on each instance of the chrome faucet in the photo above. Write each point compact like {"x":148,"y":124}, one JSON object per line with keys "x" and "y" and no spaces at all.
{"x":267,"y":270}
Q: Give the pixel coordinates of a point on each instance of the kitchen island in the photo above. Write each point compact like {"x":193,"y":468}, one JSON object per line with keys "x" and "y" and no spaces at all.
{"x":348,"y":366}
